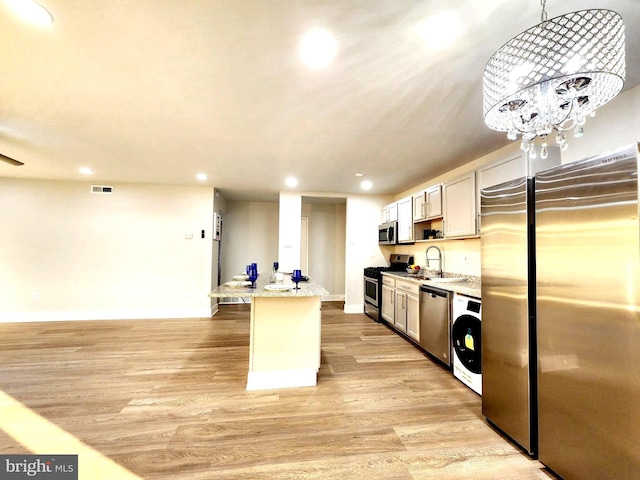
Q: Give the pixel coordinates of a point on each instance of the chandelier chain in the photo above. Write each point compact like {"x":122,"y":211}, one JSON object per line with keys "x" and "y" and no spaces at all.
{"x":543,"y":15}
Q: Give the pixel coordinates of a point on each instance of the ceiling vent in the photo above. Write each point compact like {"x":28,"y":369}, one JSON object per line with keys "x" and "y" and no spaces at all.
{"x":101,"y":189}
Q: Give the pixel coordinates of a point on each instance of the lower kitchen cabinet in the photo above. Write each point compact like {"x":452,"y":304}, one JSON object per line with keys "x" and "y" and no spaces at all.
{"x":413,"y":317}
{"x":387,"y":308}
{"x":407,"y":310}
{"x":401,"y":312}
{"x":388,"y":304}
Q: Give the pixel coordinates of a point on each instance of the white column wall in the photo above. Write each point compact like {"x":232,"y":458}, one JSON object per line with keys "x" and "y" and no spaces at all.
{"x":362,"y":250}
{"x":289,"y":231}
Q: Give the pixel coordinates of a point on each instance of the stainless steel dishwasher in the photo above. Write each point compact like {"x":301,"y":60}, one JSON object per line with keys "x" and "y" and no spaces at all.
{"x":435,"y":322}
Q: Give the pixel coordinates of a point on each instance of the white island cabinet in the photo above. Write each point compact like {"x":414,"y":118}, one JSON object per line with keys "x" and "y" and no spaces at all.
{"x":284,"y":345}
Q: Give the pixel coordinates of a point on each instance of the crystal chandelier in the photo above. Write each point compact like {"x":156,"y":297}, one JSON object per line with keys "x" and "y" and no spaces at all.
{"x":552,"y":76}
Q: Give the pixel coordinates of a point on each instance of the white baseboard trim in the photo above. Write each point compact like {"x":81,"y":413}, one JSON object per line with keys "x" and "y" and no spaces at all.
{"x":351,"y":308}
{"x":304,"y":377}
{"x":333,"y":298}
{"x":61,"y":316}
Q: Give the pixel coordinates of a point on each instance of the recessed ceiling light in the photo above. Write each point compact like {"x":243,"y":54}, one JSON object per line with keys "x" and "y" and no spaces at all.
{"x":85,"y":170}
{"x":202,"y":176}
{"x":291,"y":181}
{"x":31,"y":11}
{"x":317,"y":48}
{"x":366,"y":185}
{"x":359,"y":174}
{"x":440,"y":30}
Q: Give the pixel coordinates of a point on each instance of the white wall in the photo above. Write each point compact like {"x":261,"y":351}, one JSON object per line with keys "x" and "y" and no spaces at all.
{"x":249,"y":235}
{"x":68,"y":254}
{"x":615,"y":125}
{"x":327,"y":237}
{"x":363,"y":218}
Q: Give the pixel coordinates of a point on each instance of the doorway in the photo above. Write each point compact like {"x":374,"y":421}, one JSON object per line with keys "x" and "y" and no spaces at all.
{"x":304,"y":245}
{"x":323,"y":242}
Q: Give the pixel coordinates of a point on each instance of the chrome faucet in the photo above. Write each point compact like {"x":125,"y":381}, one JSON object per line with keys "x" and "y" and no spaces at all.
{"x":439,"y":259}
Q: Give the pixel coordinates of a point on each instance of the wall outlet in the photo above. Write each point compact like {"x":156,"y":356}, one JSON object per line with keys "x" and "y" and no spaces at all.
{"x":35,"y":296}
{"x":188,"y":236}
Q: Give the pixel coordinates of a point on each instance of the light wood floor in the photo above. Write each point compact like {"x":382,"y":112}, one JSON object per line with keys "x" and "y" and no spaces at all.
{"x":166,"y":399}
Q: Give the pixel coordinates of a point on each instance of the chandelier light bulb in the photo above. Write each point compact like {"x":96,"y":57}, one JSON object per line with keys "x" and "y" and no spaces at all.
{"x":551,"y":76}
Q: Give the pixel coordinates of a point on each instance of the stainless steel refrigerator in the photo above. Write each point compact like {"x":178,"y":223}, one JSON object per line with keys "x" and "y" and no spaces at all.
{"x":588,"y":317}
{"x":508,"y":316}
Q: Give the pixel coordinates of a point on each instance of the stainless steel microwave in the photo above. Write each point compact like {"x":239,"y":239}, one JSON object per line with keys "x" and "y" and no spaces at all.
{"x":387,"y":233}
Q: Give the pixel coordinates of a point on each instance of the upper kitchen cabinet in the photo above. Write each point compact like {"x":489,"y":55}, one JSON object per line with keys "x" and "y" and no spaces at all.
{"x":433,"y":197}
{"x":428,"y":204}
{"x":460,"y":206}
{"x":405,"y":220}
{"x":517,"y":165}
{"x":390,"y":213}
{"x":419,"y":207}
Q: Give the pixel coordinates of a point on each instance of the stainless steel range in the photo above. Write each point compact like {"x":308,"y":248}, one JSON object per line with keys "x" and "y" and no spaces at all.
{"x":373,"y":284}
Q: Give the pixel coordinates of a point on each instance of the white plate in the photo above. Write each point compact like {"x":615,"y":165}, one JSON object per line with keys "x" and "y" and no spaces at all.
{"x":277,"y":287}
{"x":237,"y":284}
{"x":242,"y":276}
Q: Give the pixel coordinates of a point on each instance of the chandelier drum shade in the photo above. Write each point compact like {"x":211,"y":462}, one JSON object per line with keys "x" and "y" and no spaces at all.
{"x":553,"y":75}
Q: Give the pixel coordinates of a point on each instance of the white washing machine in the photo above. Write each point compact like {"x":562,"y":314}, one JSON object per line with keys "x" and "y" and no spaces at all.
{"x":465,"y":341}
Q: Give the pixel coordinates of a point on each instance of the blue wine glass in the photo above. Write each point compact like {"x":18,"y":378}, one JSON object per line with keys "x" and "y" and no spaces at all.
{"x":253,"y":276}
{"x":296,"y":276}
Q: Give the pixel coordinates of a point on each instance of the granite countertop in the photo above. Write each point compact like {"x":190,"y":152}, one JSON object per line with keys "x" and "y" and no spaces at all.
{"x":307,"y":289}
{"x":469,"y":286}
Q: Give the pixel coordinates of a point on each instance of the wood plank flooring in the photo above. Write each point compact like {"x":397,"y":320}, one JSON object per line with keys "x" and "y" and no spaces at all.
{"x":166,"y":399}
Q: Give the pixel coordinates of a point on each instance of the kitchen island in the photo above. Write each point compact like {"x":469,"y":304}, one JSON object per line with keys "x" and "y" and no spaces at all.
{"x":284,"y":345}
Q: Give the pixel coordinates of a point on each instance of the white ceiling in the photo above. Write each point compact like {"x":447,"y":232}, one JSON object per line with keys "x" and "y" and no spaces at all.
{"x":157,"y":91}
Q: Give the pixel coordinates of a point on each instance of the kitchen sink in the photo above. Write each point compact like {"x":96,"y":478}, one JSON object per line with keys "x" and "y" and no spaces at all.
{"x":446,"y":279}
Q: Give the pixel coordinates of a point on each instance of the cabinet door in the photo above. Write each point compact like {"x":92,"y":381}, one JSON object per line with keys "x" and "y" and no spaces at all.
{"x":460,"y":206}
{"x":419,"y":207}
{"x":413,"y":321}
{"x":503,"y":170}
{"x":384,"y":215}
{"x":434,"y":202}
{"x":393,"y":212}
{"x":405,"y":220}
{"x":388,"y":304}
{"x":401,"y":311}
{"x":389,"y":213}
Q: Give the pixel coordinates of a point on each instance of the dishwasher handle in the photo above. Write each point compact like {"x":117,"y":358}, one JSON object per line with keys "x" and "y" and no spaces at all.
{"x":434,"y":292}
